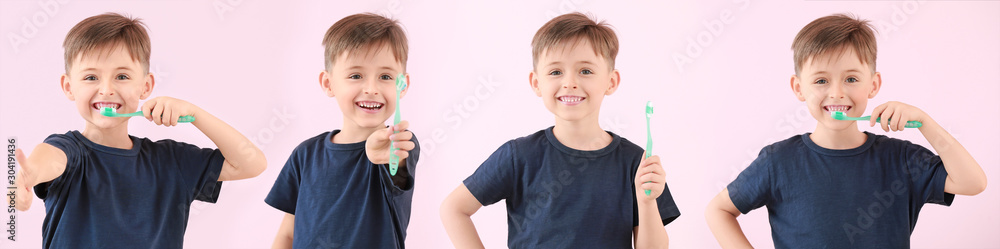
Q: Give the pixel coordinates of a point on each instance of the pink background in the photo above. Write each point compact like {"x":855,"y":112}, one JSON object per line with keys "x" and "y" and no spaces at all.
{"x":255,"y":64}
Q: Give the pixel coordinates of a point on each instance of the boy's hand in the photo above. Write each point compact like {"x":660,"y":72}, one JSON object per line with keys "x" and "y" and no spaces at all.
{"x":24,"y":181}
{"x":894,"y":115}
{"x":377,"y":145}
{"x":649,"y":176}
{"x":166,"y":110}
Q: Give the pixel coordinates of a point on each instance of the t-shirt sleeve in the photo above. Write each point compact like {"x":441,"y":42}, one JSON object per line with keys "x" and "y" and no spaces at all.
{"x":665,"y":202}
{"x":752,"y":188}
{"x":494,"y":179}
{"x":668,"y":209}
{"x":74,"y":152}
{"x":927,"y":174}
{"x":285,"y":191}
{"x":411,"y":171}
{"x":201,"y":168}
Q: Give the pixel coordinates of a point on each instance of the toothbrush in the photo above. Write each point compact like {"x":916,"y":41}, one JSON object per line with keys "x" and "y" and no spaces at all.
{"x":393,"y":158}
{"x":110,"y":112}
{"x":649,"y":134}
{"x":843,"y":116}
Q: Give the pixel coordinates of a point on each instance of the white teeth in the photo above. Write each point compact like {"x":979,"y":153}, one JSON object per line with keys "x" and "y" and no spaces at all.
{"x":369,"y":105}
{"x":570,"y":99}
{"x":838,"y":108}
{"x":103,"y":105}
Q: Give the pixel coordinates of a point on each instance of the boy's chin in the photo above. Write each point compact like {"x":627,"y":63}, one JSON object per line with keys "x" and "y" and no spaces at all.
{"x":370,"y":122}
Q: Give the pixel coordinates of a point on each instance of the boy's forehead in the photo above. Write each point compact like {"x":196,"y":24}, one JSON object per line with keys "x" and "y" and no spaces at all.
{"x":844,"y":57}
{"x":116,"y":56}
{"x":579,"y":49}
{"x":376,"y":56}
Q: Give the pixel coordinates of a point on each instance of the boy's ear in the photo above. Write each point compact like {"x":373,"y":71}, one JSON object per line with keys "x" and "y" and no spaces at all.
{"x":64,"y":85}
{"x":324,"y":82}
{"x":407,"y":88}
{"x":533,"y":80}
{"x":797,"y":88}
{"x":615,"y":80}
{"x":147,"y":87}
{"x":876,"y":85}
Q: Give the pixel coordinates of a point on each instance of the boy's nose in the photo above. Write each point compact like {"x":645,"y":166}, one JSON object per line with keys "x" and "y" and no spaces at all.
{"x":570,"y":83}
{"x":837,"y":91}
{"x":105,"y":89}
{"x":369,"y":87}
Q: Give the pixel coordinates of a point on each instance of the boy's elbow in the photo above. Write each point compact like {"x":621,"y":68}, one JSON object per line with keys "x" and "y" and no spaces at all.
{"x":980,"y":187}
{"x":260,"y":166}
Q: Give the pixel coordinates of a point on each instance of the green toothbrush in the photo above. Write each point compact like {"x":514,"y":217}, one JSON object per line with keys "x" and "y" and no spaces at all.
{"x":843,"y":116}
{"x":649,"y":134}
{"x":393,"y":158}
{"x":110,"y":112}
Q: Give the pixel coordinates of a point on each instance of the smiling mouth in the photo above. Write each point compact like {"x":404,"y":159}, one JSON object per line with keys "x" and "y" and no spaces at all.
{"x":837,"y":108}
{"x":570,"y":100}
{"x":101,"y":105}
{"x":369,"y":105}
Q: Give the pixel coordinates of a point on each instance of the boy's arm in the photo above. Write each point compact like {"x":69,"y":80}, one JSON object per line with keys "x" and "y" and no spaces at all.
{"x":965,"y":176}
{"x":243,"y":158}
{"x":45,"y":164}
{"x":285,"y":232}
{"x":650,"y":233}
{"x":721,"y":216}
{"x":456,"y":214}
{"x":378,"y":144}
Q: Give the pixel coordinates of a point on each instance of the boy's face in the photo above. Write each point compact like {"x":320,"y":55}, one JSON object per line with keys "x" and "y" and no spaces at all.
{"x":573,"y":80}
{"x":836,"y":81}
{"x":106,"y":78}
{"x":364,"y":84}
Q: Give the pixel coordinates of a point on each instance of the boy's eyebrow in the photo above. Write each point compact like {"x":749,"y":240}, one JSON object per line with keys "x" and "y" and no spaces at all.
{"x":95,"y":69}
{"x":361,"y":67}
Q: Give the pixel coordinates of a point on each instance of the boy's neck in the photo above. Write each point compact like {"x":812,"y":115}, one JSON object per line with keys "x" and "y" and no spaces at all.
{"x":848,"y":138}
{"x":352,"y":133}
{"x":116,"y":137}
{"x":581,"y":135}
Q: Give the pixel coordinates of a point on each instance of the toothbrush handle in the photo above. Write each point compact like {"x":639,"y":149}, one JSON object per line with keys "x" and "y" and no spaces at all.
{"x":909,"y":124}
{"x":181,"y":119}
{"x":649,"y":146}
{"x":393,"y":158}
{"x":185,"y":119}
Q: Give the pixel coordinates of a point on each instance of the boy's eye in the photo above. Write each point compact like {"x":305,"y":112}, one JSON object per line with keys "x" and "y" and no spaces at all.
{"x":555,"y":73}
{"x":354,"y":76}
{"x":385,"y":77}
{"x":122,"y":77}
{"x":89,"y":77}
{"x":586,"y":71}
{"x":852,"y":80}
{"x":820,"y":81}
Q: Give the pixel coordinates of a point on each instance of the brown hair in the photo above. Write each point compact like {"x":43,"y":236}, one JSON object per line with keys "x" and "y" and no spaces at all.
{"x":833,"y":33}
{"x":362,"y":32}
{"x":105,"y":31}
{"x":570,"y":27}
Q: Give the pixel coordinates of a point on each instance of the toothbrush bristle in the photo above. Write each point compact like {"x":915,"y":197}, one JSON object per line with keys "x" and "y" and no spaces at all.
{"x":649,"y":107}
{"x":838,"y":115}
{"x":108,"y":111}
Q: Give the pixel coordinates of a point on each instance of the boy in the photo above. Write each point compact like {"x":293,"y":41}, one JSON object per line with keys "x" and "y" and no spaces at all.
{"x":335,"y":188}
{"x":838,"y":187}
{"x":105,"y":188}
{"x":572,"y":185}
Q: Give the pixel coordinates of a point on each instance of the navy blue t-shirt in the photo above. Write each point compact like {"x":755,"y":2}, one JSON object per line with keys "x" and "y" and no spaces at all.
{"x":865,"y":197}
{"x":559,"y":197}
{"x":117,"y":198}
{"x":340,"y":199}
